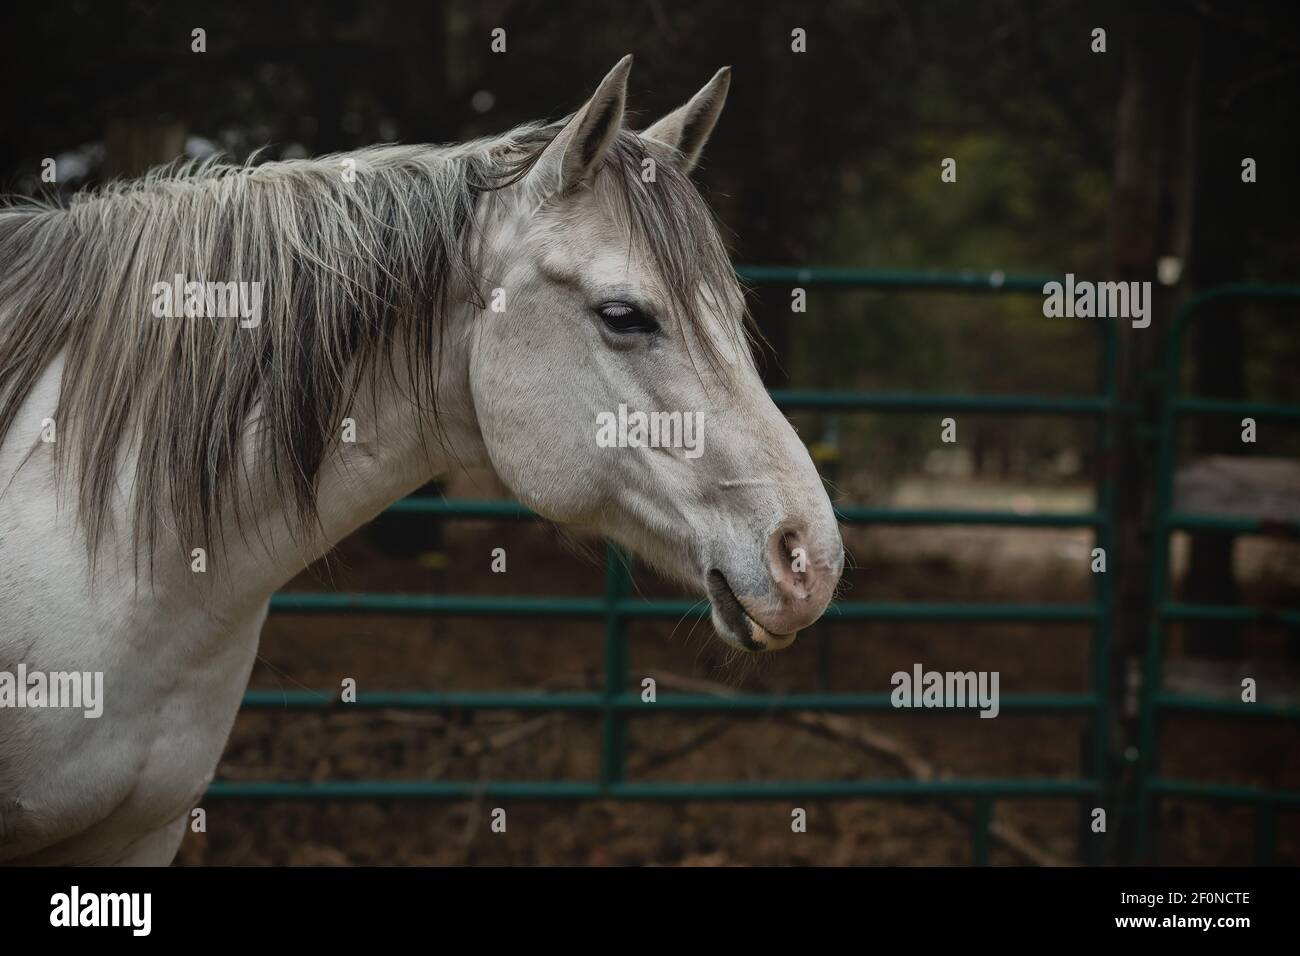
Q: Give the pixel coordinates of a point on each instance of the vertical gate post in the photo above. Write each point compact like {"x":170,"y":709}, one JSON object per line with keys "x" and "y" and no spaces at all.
{"x":1098,"y":761}
{"x":614,"y":730}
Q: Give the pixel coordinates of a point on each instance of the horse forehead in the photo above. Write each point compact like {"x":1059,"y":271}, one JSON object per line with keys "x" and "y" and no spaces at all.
{"x":574,"y":244}
{"x":586,"y":239}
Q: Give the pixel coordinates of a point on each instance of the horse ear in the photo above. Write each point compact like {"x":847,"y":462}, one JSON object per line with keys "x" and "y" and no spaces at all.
{"x":687,"y":128}
{"x":576,"y":152}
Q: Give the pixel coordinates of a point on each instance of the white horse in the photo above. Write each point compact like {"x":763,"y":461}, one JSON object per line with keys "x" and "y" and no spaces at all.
{"x":174,"y":450}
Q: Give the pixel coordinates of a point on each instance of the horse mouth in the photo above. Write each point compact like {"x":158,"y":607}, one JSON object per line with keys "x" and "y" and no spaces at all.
{"x":734,"y":624}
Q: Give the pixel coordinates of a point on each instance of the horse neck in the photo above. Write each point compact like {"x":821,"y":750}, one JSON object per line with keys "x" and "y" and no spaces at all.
{"x":398,"y":447}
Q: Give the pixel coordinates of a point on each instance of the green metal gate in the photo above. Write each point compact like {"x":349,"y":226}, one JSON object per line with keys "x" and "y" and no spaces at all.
{"x":1155,"y":700}
{"x":616,"y":706}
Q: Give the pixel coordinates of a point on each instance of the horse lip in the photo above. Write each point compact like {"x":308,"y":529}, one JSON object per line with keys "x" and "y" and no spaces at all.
{"x":733,"y":615}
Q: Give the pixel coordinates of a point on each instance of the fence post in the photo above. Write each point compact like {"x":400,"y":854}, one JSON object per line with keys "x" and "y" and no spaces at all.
{"x":614,"y":731}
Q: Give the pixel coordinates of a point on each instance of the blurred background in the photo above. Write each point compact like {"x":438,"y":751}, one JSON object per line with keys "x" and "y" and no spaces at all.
{"x":1125,"y":164}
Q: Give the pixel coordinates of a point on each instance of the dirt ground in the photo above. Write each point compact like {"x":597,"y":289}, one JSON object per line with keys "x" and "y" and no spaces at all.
{"x":891,"y":564}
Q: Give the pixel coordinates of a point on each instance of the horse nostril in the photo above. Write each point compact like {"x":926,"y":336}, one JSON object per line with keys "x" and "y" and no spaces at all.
{"x":791,"y":564}
{"x":796,"y":557}
{"x":801,"y":577}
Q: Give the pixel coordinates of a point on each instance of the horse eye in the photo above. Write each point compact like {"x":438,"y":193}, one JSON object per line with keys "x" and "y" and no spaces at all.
{"x":624,"y":318}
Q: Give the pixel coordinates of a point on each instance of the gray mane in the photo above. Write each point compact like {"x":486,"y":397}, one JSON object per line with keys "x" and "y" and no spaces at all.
{"x":347,"y":269}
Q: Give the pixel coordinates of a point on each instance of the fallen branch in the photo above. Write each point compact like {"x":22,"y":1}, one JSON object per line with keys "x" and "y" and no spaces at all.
{"x":657,"y":759}
{"x":875,"y":742}
{"x":509,"y":736}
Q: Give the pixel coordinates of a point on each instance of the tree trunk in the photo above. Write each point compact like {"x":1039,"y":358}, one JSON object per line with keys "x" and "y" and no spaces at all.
{"x":134,"y":147}
{"x":1217,"y":255}
{"x":1147,"y":209}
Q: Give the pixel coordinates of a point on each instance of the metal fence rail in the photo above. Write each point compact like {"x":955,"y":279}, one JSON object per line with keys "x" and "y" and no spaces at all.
{"x":616,"y":706}
{"x":1155,"y":701}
